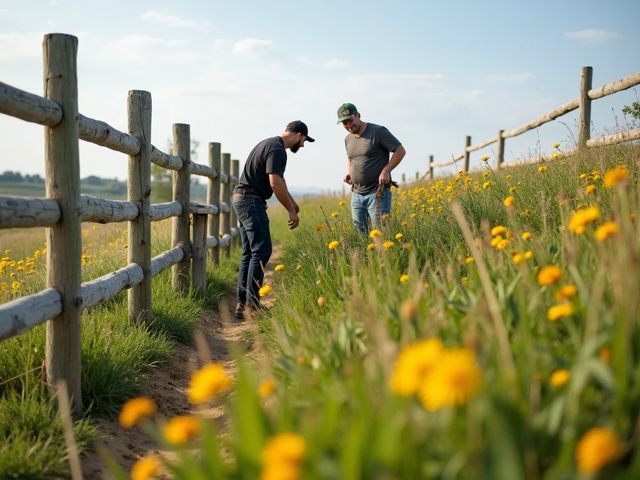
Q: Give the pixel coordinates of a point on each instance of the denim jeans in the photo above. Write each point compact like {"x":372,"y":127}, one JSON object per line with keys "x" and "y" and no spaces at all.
{"x":251,"y":211}
{"x":365,"y":211}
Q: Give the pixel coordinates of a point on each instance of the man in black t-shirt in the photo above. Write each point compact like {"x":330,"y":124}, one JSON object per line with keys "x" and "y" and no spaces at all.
{"x":368,"y":166}
{"x":262,"y":176}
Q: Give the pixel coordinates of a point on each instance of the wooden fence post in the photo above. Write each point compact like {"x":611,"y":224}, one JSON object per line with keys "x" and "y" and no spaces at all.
{"x":235,"y":172}
{"x":467,"y":155}
{"x":213,"y":198}
{"x":585,"y":107}
{"x":199,"y":273}
{"x":64,"y":240}
{"x":139,"y":192}
{"x":430,"y":167}
{"x":404,"y":178}
{"x":225,"y":195}
{"x":181,"y":193}
{"x":500,"y":155}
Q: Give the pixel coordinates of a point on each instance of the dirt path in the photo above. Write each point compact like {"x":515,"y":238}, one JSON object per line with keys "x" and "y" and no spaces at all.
{"x":167,"y":384}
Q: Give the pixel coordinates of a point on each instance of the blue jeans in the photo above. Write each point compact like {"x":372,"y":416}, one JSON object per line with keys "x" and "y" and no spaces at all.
{"x":365,"y":211}
{"x":251,"y":211}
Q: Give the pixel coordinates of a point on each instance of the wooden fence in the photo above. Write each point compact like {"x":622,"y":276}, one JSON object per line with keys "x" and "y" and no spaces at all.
{"x":64,"y":209}
{"x":582,"y":102}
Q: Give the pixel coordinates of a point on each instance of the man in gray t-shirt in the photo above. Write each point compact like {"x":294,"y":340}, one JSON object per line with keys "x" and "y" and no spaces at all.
{"x":369,"y":166}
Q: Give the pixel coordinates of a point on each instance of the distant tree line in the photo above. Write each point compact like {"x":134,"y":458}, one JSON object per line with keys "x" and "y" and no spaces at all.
{"x":109,"y":185}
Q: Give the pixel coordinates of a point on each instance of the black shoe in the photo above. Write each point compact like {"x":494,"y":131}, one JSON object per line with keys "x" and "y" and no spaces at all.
{"x":239,"y":313}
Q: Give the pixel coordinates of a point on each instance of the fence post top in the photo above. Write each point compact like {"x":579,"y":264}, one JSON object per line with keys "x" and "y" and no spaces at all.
{"x":62,"y":36}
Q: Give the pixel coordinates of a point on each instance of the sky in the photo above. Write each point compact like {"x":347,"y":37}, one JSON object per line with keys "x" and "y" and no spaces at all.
{"x":239,"y":71}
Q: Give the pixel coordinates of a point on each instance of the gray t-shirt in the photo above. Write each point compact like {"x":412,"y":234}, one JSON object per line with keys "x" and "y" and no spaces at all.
{"x":368,"y":155}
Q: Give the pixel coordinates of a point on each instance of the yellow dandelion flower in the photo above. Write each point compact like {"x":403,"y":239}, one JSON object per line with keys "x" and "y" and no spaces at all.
{"x":404,"y":223}
{"x":181,"y":429}
{"x":560,"y":310}
{"x":606,"y":230}
{"x":404,"y":278}
{"x":334,"y":214}
{"x":542,"y":169}
{"x":284,"y":448}
{"x":526,"y":236}
{"x":399,"y":236}
{"x":452,"y":381}
{"x":566,"y":292}
{"x":267,"y":388}
{"x":549,"y":275}
{"x":279,"y":267}
{"x":486,"y":185}
{"x":413,"y":364}
{"x":590,"y":188}
{"x":496,"y":240}
{"x":15,"y":285}
{"x":388,"y":244}
{"x":280,"y":471}
{"x":322,"y":301}
{"x":498,"y":230}
{"x":146,"y":468}
{"x":264,"y":290}
{"x":371,"y":247}
{"x":502,"y":244}
{"x":512,"y":189}
{"x":528,"y":255}
{"x":342,"y":203}
{"x":509,"y":201}
{"x":615,"y":176}
{"x":484,"y":158}
{"x":135,"y":410}
{"x":333,"y":244}
{"x":208,"y":382}
{"x":517,"y":258}
{"x":559,"y":378}
{"x":556,"y":145}
{"x":597,"y":448}
{"x":583,"y":217}
{"x":375,"y":233}
{"x":469,"y":260}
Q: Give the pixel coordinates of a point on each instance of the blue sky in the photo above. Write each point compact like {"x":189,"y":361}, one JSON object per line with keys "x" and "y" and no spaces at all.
{"x":238,"y":72}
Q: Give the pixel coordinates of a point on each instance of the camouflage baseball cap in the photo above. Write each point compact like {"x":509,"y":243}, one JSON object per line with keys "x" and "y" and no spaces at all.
{"x":346,"y":111}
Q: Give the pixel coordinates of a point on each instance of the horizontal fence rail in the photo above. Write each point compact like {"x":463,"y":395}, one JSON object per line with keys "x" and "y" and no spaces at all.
{"x":582,"y":102}
{"x":59,"y":306}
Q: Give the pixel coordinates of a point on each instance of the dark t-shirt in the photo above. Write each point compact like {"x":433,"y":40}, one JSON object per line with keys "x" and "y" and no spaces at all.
{"x":368,"y":155}
{"x":268,"y":156}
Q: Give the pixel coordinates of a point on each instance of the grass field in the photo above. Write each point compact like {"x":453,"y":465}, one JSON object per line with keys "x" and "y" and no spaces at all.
{"x":488,"y":330}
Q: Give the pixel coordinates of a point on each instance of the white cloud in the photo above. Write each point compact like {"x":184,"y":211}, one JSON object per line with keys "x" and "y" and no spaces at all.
{"x":137,"y":48}
{"x":591,"y":36}
{"x":335,"y":63}
{"x":20,"y":45}
{"x":172,"y":21}
{"x":252,"y":46}
{"x":509,"y":77}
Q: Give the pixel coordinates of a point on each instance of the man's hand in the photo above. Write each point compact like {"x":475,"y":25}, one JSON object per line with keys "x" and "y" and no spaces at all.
{"x":347,"y":179}
{"x":294,"y":221}
{"x":384,"y":177}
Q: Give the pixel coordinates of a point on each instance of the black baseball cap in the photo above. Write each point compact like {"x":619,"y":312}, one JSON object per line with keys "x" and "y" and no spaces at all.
{"x":298,"y":126}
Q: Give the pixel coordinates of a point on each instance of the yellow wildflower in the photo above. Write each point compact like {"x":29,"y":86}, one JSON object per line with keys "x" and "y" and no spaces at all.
{"x":556,"y":145}
{"x":590,"y":188}
{"x":566,"y":291}
{"x":453,"y":380}
{"x":615,"y":176}
{"x":371,"y":246}
{"x":146,"y":468}
{"x":282,"y":456}
{"x":413,"y":364}
{"x":517,"y":258}
{"x":334,"y":214}
{"x":484,"y":158}
{"x":333,"y":244}
{"x":486,"y":185}
{"x":267,"y":388}
{"x":526,"y":236}
{"x":469,"y":260}
{"x":498,"y":230}
{"x":509,"y":201}
{"x":375,"y":233}
{"x":404,"y":278}
{"x":583,"y":217}
{"x":502,"y":244}
{"x":135,"y":410}
{"x":342,"y":203}
{"x":597,"y":448}
{"x":542,"y":169}
{"x":559,"y":311}
{"x":279,"y":267}
{"x":606,"y":230}
{"x":559,"y":378}
{"x":181,"y":429}
{"x":388,"y":244}
{"x":264,"y":290}
{"x":528,"y":255}
{"x":399,"y":236}
{"x":549,"y":275}
{"x":208,"y":382}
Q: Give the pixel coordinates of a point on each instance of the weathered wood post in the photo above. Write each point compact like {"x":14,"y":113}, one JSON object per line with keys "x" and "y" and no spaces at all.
{"x":417,"y":176}
{"x":64,"y":240}
{"x":235,"y":173}
{"x":585,"y":107}
{"x":181,"y":193}
{"x":213,"y":198}
{"x":199,"y":279}
{"x":430,"y":167}
{"x":404,"y":178}
{"x":467,"y":154}
{"x":139,"y":192}
{"x":225,"y":195}
{"x":500,"y":154}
